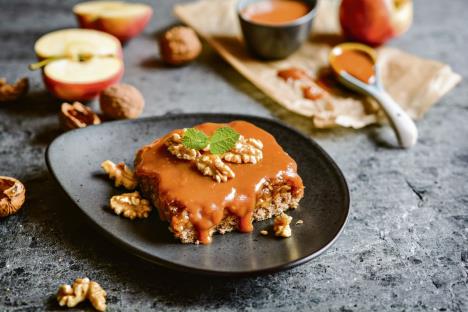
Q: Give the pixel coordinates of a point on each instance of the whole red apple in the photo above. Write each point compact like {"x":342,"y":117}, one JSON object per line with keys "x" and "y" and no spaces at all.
{"x":374,"y":22}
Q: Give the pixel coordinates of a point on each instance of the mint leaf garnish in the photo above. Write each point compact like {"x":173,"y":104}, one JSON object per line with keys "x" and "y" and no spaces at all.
{"x":194,"y":138}
{"x":223,"y":140}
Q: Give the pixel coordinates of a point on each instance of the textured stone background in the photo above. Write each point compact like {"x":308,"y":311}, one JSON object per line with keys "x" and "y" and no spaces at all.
{"x":405,"y":247}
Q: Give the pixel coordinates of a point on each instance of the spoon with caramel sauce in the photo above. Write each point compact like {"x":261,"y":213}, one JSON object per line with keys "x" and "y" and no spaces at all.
{"x":357,"y":68}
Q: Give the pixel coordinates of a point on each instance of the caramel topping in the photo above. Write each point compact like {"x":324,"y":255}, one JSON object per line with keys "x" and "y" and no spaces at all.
{"x":310,"y":88}
{"x":206,"y":201}
{"x":356,"y":63}
{"x":276,"y":11}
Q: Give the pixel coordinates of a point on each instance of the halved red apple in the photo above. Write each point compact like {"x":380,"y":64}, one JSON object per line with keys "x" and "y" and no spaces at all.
{"x":122,"y":19}
{"x":79,"y":63}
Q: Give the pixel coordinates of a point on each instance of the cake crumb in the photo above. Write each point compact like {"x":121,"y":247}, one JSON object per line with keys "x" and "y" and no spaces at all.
{"x":264,"y":232}
{"x":281,"y":225}
{"x":299,"y":222}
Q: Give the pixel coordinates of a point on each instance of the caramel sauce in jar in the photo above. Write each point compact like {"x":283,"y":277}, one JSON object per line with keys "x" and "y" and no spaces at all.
{"x":356,"y":63}
{"x":275,"y":11}
{"x":206,"y":201}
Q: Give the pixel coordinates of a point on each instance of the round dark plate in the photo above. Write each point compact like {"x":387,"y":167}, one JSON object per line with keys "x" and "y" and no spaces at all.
{"x":74,"y":159}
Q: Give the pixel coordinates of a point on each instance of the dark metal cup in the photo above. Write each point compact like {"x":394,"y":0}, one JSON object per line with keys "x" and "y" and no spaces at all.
{"x":275,"y":41}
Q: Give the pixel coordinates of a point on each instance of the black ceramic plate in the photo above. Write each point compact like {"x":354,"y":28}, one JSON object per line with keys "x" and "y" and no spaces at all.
{"x":74,"y":159}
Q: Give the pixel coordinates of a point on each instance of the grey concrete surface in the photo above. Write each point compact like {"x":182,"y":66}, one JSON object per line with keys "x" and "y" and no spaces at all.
{"x":405,"y":247}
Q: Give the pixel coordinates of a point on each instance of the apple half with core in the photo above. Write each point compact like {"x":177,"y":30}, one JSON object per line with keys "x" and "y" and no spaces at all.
{"x":375,"y":21}
{"x":122,"y":19}
{"x":77,"y":64}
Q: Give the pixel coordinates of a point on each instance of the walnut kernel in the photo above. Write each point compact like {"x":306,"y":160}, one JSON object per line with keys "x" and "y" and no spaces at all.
{"x":77,"y":115}
{"x":12,"y":92}
{"x":97,"y":296}
{"x":70,"y":296}
{"x":121,"y":101}
{"x":121,"y":174}
{"x":131,"y":205}
{"x":179,"y":45}
{"x":213,"y":166}
{"x":281,"y":226}
{"x":12,"y":196}
{"x":245,"y":151}
{"x":81,"y":290}
{"x":176,"y":148}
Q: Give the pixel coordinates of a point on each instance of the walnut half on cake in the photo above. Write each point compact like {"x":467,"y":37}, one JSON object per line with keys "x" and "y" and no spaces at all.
{"x":217,"y":178}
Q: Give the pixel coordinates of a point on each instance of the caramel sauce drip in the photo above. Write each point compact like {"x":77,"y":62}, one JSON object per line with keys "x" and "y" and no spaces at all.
{"x":310,"y":88}
{"x":356,"y":63}
{"x":206,"y":201}
{"x":276,"y":11}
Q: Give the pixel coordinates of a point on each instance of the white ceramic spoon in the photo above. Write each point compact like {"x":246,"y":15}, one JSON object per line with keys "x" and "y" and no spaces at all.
{"x":402,"y":124}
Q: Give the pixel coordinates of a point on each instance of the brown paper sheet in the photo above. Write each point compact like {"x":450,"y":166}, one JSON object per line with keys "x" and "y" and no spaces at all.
{"x":415,"y":83}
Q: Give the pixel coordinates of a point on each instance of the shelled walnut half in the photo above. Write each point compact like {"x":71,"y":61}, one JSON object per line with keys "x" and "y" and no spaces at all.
{"x":12,"y":196}
{"x":121,"y":174}
{"x":77,"y":115}
{"x":130,"y":205}
{"x":12,"y":92}
{"x":82,"y":289}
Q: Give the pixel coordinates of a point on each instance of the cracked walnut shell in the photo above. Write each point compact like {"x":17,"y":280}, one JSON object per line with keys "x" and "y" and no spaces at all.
{"x":179,"y":45}
{"x":81,"y":290}
{"x":121,"y":101}
{"x":121,"y":174}
{"x":12,"y":92}
{"x":12,"y":196}
{"x":130,"y":205}
{"x":77,"y":115}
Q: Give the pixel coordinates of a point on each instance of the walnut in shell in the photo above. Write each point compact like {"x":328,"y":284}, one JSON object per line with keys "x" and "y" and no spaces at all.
{"x":121,"y":101}
{"x":12,"y":92}
{"x":77,"y":115}
{"x":12,"y":196}
{"x":179,"y":45}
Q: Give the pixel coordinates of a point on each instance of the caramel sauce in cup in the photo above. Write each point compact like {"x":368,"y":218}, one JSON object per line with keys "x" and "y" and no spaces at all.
{"x":272,"y":12}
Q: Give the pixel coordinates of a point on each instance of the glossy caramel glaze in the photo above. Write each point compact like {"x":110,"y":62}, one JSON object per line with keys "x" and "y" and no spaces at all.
{"x":275,"y":11}
{"x":356,"y":63}
{"x":310,"y":88}
{"x":207,"y":202}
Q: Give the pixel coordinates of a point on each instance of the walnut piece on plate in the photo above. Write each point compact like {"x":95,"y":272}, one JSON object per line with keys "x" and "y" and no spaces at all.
{"x":82,"y":289}
{"x":121,"y":174}
{"x":12,"y":92}
{"x":281,"y":226}
{"x":77,"y":115}
{"x":12,"y":196}
{"x":179,"y":45}
{"x":130,"y":205}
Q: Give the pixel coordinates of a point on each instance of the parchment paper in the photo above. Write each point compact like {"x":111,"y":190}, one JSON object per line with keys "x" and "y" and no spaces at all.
{"x":415,"y":83}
